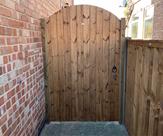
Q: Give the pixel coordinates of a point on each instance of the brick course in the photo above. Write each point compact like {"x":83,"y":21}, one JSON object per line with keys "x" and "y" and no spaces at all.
{"x":22,"y":100}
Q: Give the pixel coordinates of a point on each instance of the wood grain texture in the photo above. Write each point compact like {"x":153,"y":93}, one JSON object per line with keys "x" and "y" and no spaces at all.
{"x":84,"y":48}
{"x":144,"y":92}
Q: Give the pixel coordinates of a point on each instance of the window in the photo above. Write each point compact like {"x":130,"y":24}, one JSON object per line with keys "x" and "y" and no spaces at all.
{"x":134,"y":26}
{"x":148,"y":22}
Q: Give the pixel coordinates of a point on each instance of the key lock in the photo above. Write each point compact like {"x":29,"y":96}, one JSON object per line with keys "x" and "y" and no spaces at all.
{"x":114,"y":72}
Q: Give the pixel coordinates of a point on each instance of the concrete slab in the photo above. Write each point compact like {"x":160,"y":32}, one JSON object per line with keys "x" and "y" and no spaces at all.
{"x":84,"y":129}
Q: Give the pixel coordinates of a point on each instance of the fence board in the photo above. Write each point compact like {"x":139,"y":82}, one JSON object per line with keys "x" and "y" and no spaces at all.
{"x":144,"y":95}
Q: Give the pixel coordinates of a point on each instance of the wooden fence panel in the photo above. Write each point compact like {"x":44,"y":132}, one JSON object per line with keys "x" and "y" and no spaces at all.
{"x":83,"y":64}
{"x":144,"y":89}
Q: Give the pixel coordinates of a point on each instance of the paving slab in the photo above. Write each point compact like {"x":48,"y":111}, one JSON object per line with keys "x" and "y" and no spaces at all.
{"x":84,"y":129}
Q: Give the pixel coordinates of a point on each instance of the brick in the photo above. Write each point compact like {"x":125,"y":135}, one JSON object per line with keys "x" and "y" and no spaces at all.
{"x":4,"y":69}
{"x":9,"y":122}
{"x":8,"y":67}
{"x":7,"y":31}
{"x":13,"y":100}
{"x":3,"y":119}
{"x":20,"y":8}
{"x":14,"y":108}
{"x":14,"y":57}
{"x":8,"y":132}
{"x":6,"y":87}
{"x":8,"y":3}
{"x":5,"y":11}
{"x":10,"y":94}
{"x":6,"y":50}
{"x":11,"y":41}
{"x":1,"y":70}
{"x":24,"y":18}
{"x":2,"y":41}
{"x":11,"y":23}
{"x":4,"y":128}
{"x":1,"y":101}
{"x":1,"y":90}
{"x":15,"y":48}
{"x":2,"y":110}
{"x":8,"y":105}
{"x":5,"y":59}
{"x":20,"y":55}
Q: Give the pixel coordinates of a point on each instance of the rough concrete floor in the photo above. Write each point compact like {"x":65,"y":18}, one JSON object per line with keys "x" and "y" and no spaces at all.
{"x":84,"y":129}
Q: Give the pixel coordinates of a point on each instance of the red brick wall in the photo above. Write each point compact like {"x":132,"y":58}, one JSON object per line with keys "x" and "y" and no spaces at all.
{"x":22,"y":100}
{"x":158,"y":20}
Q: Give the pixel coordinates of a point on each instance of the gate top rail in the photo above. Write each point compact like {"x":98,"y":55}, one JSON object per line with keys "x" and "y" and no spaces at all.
{"x":146,"y":43}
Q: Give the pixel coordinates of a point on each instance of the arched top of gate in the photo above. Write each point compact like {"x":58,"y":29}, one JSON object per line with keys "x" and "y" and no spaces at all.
{"x":86,"y":6}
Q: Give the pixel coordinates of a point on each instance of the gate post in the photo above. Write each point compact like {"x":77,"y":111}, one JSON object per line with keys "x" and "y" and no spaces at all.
{"x":123,"y":61}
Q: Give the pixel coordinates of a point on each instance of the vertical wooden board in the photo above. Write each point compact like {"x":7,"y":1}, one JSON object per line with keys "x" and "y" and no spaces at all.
{"x":117,"y":49}
{"x":73,"y":27}
{"x":155,"y":74}
{"x":112,"y":47}
{"x":159,"y":91}
{"x":141,"y":96}
{"x":137,"y":88}
{"x":147,"y":115}
{"x":65,"y":95}
{"x":54,"y":63}
{"x":106,"y":81}
{"x":61,"y":64}
{"x":56,"y":69}
{"x":144,"y":103}
{"x":117,"y":63}
{"x":92,"y":62}
{"x":122,"y":70}
{"x":160,"y":131}
{"x":160,"y":61}
{"x":147,"y":66}
{"x":69,"y":94}
{"x":131,"y":64}
{"x":80,"y":59}
{"x":151,"y":120}
{"x":99,"y":65}
{"x":86,"y":41}
{"x":150,"y":75}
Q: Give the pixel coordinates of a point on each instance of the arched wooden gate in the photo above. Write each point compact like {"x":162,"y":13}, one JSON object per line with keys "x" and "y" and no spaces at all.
{"x":83,"y":56}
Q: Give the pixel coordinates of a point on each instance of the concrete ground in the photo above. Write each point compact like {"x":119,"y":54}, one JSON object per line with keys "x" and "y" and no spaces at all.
{"x":84,"y":129}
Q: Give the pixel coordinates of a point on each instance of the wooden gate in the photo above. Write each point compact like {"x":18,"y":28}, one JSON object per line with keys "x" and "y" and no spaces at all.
{"x":83,"y":56}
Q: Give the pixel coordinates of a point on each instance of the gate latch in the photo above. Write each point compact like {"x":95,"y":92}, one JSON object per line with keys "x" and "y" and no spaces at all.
{"x":114,"y":71}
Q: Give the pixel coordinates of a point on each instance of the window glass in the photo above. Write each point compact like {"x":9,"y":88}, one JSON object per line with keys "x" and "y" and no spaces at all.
{"x":148,"y":28}
{"x":134,"y":29}
{"x":148,"y":22}
{"x":134,"y":26}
